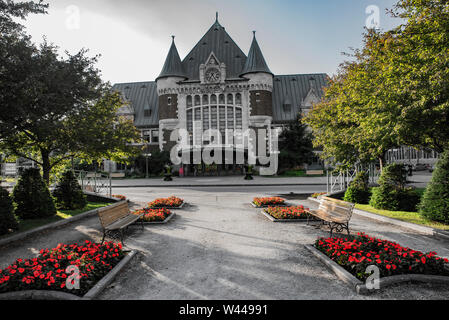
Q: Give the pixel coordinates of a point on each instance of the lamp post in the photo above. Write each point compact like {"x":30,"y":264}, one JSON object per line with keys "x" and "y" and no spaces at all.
{"x":146,"y":155}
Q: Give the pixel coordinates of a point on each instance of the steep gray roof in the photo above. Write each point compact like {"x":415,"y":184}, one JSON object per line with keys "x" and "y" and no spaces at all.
{"x":293,"y":89}
{"x":218,"y":41}
{"x":256,"y":61}
{"x":172,"y":66}
{"x":142,"y":96}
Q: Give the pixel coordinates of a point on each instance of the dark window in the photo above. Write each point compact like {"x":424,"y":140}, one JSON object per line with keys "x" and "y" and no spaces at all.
{"x":147,"y":113}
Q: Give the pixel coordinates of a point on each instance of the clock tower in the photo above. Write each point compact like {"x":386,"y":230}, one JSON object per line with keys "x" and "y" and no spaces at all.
{"x":212,"y":71}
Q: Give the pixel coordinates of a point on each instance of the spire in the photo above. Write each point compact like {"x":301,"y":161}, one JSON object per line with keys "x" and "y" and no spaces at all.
{"x":255,"y":62}
{"x":173,"y":65}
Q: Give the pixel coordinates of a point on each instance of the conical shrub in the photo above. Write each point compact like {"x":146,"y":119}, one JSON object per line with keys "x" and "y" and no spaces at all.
{"x":435,"y":202}
{"x":358,"y":191}
{"x":68,"y":193}
{"x":7,"y":220}
{"x":32,"y":197}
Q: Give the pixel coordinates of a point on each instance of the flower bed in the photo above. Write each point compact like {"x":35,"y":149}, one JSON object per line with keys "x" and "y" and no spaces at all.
{"x":171,"y":202}
{"x":355,"y":254}
{"x":48,"y":270}
{"x":268,"y":201}
{"x":119,"y":196}
{"x":316,"y":195}
{"x":288,"y":213}
{"x":153,"y":215}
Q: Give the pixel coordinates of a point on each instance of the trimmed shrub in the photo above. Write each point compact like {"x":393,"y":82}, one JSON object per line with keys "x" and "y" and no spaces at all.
{"x":392,"y":194}
{"x":32,"y":197}
{"x":358,"y":191}
{"x":7,"y":220}
{"x":68,"y":193}
{"x":435,"y":202}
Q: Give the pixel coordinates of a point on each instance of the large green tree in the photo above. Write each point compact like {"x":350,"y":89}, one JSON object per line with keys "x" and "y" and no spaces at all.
{"x":394,"y":91}
{"x":54,"y":108}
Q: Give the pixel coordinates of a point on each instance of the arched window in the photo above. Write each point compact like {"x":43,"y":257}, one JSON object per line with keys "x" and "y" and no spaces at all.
{"x":230,"y":99}
{"x":189,"y":101}
{"x":206,"y":113}
{"x":238,"y":99}
{"x":197,"y":100}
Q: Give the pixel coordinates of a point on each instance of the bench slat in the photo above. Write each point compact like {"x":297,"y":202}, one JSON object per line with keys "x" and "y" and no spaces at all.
{"x":111,"y":215}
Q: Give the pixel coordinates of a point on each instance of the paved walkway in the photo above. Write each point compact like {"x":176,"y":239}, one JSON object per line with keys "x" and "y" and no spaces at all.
{"x":219,"y":247}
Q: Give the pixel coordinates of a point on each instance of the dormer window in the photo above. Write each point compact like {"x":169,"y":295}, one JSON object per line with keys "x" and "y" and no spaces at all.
{"x":147,"y":113}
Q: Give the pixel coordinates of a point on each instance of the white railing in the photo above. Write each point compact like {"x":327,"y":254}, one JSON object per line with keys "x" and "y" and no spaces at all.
{"x":95,"y":182}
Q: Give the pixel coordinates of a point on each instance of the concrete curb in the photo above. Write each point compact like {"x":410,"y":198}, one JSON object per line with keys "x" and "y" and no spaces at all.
{"x":169,"y":208}
{"x":361,"y":288}
{"x":96,"y":290}
{"x":265,"y":207}
{"x":93,"y":293}
{"x":159,"y":222}
{"x":407,"y":278}
{"x":218,"y":185}
{"x":340,"y":272}
{"x":409,"y":225}
{"x":51,"y":226}
{"x":38,"y":295}
{"x":269,"y":217}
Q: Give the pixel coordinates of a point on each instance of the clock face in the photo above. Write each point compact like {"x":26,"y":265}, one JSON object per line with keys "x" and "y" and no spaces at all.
{"x":213,"y":75}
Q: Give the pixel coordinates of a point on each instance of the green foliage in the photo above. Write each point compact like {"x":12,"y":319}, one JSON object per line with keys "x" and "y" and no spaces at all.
{"x":7,"y":220}
{"x":62,"y":108}
{"x":68,"y":193}
{"x":295,"y":146}
{"x":392,"y":92}
{"x":392,"y":193}
{"x":32,"y":197}
{"x":358,"y":191}
{"x":435,"y":202}
{"x":395,"y":175}
{"x":156,"y":162}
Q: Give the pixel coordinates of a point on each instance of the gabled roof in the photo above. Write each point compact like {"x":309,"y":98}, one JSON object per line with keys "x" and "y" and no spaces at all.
{"x":294,"y":89}
{"x":256,"y":61}
{"x":142,"y":96}
{"x":218,"y":41}
{"x":173,"y":66}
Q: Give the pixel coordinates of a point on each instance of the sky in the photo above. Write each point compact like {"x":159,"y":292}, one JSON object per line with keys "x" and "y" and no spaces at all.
{"x":133,"y":36}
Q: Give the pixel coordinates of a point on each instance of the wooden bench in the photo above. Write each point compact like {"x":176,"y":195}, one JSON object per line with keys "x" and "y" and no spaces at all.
{"x":334,"y":213}
{"x":116,"y":218}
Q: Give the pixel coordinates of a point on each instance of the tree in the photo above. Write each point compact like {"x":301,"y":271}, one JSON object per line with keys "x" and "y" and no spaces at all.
{"x":32,"y":197}
{"x":68,"y":193}
{"x":295,"y":145}
{"x":394,"y":92}
{"x":7,"y":220}
{"x":66,"y":111}
{"x":392,"y":194}
{"x":435,"y":202}
{"x":358,"y":191}
{"x":10,"y":10}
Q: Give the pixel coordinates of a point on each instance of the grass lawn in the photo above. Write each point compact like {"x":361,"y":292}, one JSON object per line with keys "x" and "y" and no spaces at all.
{"x":25,"y":225}
{"x":412,"y":217}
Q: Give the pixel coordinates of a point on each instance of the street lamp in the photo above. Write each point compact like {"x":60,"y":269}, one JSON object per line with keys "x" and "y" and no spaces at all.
{"x":146,"y":155}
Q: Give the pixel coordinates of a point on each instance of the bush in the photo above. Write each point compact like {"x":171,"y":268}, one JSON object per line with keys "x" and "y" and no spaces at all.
{"x":7,"y":220}
{"x":435,"y":202}
{"x":392,"y":194}
{"x":32,"y":197}
{"x":358,"y":191}
{"x":68,"y":193}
